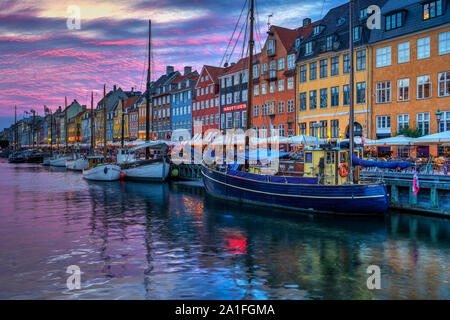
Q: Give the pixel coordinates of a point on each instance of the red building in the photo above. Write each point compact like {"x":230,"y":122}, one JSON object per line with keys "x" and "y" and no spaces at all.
{"x":206,"y":105}
{"x":274,"y":81}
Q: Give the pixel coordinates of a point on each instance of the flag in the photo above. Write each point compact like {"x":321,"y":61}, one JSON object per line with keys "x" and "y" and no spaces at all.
{"x":415,"y":183}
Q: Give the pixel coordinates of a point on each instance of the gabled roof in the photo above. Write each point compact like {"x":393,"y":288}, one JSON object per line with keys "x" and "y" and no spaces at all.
{"x":242,"y":64}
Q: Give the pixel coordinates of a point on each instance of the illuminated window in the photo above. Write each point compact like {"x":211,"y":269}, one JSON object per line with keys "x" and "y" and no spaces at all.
{"x":432,"y":9}
{"x":403,"y":89}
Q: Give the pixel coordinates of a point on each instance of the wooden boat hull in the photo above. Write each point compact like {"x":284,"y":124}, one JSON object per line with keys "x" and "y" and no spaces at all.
{"x":357,"y":199}
{"x":157,"y":171}
{"x":107,"y":172}
{"x":77,"y":165}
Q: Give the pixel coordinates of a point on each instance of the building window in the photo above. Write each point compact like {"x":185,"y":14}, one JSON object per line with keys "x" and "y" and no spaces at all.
{"x":383,"y":91}
{"x":444,"y":84}
{"x":345,"y":95}
{"x":394,"y":21}
{"x":244,"y":96}
{"x":361,"y":92}
{"x":291,"y":61}
{"x":403,"y":52}
{"x":270,"y":47}
{"x":229,"y":98}
{"x":423,"y":122}
{"x":444,"y":124}
{"x":423,"y":87}
{"x":334,"y":128}
{"x":357,"y":34}
{"x":290,"y":83}
{"x":432,"y":9}
{"x":272,"y":87}
{"x":383,"y":124}
{"x":281,"y":64}
{"x":363,"y":13}
{"x":237,"y":96}
{"x":323,"y":68}
{"x":255,"y":71}
{"x":229,"y":120}
{"x":255,"y":110}
{"x":302,"y":128}
{"x":290,"y":106}
{"x":403,"y":89}
{"x":302,"y":73}
{"x":323,"y":98}
{"x":312,"y":99}
{"x":256,"y":90}
{"x":312,"y":129}
{"x":334,"y":66}
{"x":402,"y":121}
{"x":264,"y":88}
{"x":308,"y":48}
{"x":264,"y":68}
{"x":444,"y":43}
{"x":281,"y":107}
{"x":264,"y":110}
{"x":329,"y":43}
{"x":346,"y":63}
{"x":313,"y":71}
{"x":361,"y":60}
{"x":302,"y":101}
{"x":281,"y":130}
{"x":383,"y":56}
{"x":323,"y":129}
{"x":423,"y":48}
{"x":244,"y":119}
{"x":335,"y":96}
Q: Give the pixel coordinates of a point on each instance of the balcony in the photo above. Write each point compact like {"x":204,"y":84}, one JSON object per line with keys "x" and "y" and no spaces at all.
{"x":272,"y":75}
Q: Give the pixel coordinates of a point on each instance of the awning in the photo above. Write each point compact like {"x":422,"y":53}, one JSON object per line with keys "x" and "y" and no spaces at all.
{"x":441,"y":137}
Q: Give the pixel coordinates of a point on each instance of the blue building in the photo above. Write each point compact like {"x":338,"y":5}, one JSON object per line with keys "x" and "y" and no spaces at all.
{"x":182,"y":96}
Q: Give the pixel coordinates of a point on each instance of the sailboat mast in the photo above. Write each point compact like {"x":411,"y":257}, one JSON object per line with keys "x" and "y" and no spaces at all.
{"x":65,"y":124}
{"x":249,"y":83}
{"x":147,"y":96}
{"x":15,"y":127}
{"x":51,"y":132}
{"x":104,"y":123}
{"x":123,"y":125}
{"x":351,"y":94}
{"x":92,"y":121}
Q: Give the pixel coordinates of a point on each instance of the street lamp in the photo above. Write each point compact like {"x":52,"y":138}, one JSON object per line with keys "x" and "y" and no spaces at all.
{"x":438,"y":118}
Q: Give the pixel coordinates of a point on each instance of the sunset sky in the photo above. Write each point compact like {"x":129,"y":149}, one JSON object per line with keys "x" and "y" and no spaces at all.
{"x":41,"y":60}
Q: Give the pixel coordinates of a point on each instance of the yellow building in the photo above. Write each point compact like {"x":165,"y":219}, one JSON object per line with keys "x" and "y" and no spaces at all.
{"x":117,"y":133}
{"x":75,"y":127}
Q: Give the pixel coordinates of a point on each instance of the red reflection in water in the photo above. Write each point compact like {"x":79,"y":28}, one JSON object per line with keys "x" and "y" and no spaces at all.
{"x":235,"y":242}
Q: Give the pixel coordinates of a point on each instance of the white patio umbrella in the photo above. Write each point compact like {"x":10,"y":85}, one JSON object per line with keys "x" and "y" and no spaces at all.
{"x":393,"y":141}
{"x":305,"y":140}
{"x":440,"y":137}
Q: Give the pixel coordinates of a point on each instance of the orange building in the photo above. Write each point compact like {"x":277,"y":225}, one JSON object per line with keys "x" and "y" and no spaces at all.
{"x":411,"y":70}
{"x":274,"y":81}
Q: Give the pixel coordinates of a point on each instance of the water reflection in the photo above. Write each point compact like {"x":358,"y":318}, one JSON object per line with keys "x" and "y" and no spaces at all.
{"x":161,"y":241}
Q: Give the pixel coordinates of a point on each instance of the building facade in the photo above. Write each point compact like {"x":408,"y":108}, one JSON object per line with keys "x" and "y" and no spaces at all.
{"x":206,"y":105}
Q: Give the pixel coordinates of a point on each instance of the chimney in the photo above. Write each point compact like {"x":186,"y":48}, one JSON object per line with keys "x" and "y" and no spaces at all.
{"x":225,"y":65}
{"x":306,"y":22}
{"x":169,"y":70}
{"x":115,"y":88}
{"x":187,"y":70}
{"x":132,"y":89}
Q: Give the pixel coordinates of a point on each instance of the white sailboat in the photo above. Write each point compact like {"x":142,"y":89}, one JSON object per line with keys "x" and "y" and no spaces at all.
{"x":149,"y":169}
{"x":98,"y":168}
{"x":77,"y":164}
{"x":59,"y":161}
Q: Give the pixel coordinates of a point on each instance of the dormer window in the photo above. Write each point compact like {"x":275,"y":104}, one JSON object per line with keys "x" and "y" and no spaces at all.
{"x":363,"y":13}
{"x":179,"y":85}
{"x":297,"y":42}
{"x":270,"y":50}
{"x":394,"y":21}
{"x":432,"y":9}
{"x":356,"y":34}
{"x":308,"y":48}
{"x":317,"y":29}
{"x":329,"y":42}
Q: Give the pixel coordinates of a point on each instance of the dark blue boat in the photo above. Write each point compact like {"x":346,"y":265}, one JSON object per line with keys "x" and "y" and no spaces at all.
{"x":296,"y":193}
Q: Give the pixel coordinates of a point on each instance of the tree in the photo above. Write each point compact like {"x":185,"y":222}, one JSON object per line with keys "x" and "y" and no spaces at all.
{"x":4,"y":144}
{"x":411,"y":133}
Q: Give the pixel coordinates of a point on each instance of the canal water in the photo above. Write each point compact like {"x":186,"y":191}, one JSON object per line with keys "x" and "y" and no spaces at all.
{"x":172,"y":241}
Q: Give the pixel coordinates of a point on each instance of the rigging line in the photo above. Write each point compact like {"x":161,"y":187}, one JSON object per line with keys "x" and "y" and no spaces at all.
{"x":258,"y":30}
{"x":245,"y":38}
{"x":143,"y":69}
{"x":237,"y":39}
{"x":232,"y":35}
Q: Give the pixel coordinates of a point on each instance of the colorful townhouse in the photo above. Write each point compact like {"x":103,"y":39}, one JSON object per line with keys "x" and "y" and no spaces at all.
{"x":133,"y":121}
{"x":182,"y":95}
{"x":234,"y":95}
{"x":121,"y":113}
{"x":274,"y":81}
{"x":323,"y":62}
{"x":206,"y":105}
{"x":411,"y":69}
{"x":161,"y":121}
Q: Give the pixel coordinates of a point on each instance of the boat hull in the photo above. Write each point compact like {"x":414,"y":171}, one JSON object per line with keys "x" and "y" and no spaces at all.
{"x":59,"y":162}
{"x":77,"y":165}
{"x":148,"y":172}
{"x":357,"y":199}
{"x":107,"y":172}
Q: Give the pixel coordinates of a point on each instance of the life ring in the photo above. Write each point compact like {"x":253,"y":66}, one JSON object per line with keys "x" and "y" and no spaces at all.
{"x":343,"y":170}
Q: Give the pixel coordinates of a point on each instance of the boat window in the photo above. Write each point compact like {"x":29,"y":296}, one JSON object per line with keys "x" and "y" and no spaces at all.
{"x":291,"y":168}
{"x":308,"y":157}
